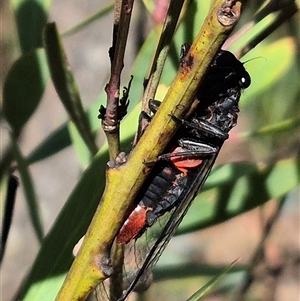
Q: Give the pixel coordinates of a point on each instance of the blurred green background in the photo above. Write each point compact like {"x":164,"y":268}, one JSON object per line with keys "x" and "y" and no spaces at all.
{"x":267,"y":138}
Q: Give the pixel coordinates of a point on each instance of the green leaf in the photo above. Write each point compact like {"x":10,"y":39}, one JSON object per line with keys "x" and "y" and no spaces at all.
{"x":24,"y":87}
{"x":54,"y":143}
{"x":60,"y":138}
{"x":128,"y":130}
{"x":31,"y":17}
{"x":30,"y":195}
{"x":66,"y":86}
{"x":83,"y":153}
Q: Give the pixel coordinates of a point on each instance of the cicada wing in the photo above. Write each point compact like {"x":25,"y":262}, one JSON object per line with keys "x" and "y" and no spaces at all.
{"x":154,"y":241}
{"x":137,"y":276}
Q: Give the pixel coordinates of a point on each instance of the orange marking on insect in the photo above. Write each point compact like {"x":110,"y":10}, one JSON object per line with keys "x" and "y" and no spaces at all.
{"x":182,"y":163}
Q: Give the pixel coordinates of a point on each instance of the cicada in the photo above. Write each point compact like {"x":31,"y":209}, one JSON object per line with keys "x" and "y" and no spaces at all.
{"x":180,"y":172}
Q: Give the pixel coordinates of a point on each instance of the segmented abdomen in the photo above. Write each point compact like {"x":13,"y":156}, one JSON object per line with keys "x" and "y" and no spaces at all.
{"x":157,"y":198}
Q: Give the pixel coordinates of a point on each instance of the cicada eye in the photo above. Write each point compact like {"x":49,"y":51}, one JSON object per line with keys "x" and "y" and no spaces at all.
{"x":245,"y":81}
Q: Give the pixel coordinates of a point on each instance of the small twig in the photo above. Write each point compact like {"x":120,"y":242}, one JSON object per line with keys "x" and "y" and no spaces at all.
{"x":258,"y":255}
{"x":162,"y":51}
{"x":111,"y":120}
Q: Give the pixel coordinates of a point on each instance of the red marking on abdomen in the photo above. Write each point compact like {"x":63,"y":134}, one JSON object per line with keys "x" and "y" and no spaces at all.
{"x":133,"y":225}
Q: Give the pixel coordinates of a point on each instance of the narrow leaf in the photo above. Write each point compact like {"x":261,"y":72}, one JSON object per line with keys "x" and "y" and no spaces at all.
{"x":279,"y":127}
{"x":28,"y":186}
{"x":207,"y":287}
{"x":66,"y":86}
{"x":102,"y":12}
{"x":23,"y":88}
{"x":54,"y":143}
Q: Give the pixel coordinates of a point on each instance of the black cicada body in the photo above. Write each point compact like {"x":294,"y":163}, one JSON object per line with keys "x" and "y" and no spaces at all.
{"x":198,"y":138}
{"x":181,"y":171}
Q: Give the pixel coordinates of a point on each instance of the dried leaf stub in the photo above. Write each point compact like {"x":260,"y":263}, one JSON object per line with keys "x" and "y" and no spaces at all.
{"x":229,"y":12}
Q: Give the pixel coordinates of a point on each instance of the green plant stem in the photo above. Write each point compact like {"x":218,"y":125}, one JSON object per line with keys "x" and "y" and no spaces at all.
{"x":116,"y":280}
{"x":159,"y":59}
{"x":91,"y":264}
{"x":162,"y":51}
